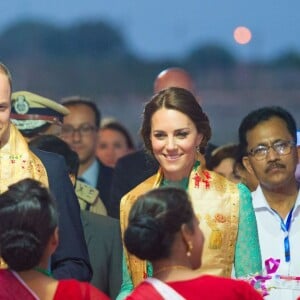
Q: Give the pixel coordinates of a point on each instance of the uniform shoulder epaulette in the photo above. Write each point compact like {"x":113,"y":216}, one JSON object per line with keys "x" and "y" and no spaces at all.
{"x":86,"y":192}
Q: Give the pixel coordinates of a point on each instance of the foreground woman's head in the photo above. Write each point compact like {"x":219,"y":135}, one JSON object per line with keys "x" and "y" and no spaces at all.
{"x":28,"y":220}
{"x":162,"y":225}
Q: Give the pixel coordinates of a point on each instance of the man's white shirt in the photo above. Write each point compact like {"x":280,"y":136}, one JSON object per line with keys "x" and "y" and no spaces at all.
{"x":271,"y":239}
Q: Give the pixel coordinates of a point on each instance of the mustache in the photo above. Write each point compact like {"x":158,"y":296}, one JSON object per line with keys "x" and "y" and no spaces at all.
{"x":273,"y":165}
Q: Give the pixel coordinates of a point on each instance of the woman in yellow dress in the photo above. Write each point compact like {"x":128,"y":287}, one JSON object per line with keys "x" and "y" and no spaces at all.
{"x":175,"y":131}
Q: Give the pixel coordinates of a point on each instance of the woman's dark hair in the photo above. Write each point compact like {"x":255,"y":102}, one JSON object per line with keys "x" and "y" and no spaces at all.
{"x":181,"y":100}
{"x":221,"y":153}
{"x":28,"y":218}
{"x":117,"y":126}
{"x":154,"y":220}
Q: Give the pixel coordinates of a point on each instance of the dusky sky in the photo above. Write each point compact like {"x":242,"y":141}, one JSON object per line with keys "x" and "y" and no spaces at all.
{"x":171,"y":28}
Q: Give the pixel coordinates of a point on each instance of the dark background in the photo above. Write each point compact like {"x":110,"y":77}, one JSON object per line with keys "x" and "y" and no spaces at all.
{"x":93,"y":59}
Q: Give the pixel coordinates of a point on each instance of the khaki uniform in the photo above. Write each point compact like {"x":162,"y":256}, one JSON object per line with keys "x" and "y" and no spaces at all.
{"x":89,"y":199}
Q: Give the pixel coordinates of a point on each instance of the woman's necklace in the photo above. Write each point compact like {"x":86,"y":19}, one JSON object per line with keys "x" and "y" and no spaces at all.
{"x":169,"y":268}
{"x":43,"y":271}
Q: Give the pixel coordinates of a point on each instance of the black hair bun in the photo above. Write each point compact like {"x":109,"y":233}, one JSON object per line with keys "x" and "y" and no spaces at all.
{"x":143,"y":237}
{"x":20,"y":249}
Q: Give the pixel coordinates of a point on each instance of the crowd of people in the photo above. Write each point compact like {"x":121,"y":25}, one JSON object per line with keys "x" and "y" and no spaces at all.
{"x":85,"y":214}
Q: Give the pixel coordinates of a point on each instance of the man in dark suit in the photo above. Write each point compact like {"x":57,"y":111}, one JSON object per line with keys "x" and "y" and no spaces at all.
{"x":134,"y":168}
{"x":102,"y":233}
{"x":103,"y":238}
{"x":79,"y":131}
{"x":70,"y":260}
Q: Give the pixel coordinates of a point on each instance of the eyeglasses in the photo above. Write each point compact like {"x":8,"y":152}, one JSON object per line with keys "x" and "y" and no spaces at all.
{"x":83,"y":130}
{"x":280,"y":147}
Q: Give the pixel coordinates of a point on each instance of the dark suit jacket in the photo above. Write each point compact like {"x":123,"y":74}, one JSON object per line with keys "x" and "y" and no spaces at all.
{"x":103,"y":238}
{"x":130,"y":170}
{"x":70,"y":259}
{"x":104,"y":183}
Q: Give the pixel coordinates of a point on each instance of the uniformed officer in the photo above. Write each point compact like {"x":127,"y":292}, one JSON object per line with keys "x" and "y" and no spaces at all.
{"x":34,"y":114}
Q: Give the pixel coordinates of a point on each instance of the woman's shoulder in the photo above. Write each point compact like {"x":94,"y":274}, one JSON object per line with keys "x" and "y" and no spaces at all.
{"x":144,"y":291}
{"x":141,"y":188}
{"x":220,"y":180}
{"x":205,"y":286}
{"x":74,"y":289}
{"x":234,"y":288}
{"x":210,"y":181}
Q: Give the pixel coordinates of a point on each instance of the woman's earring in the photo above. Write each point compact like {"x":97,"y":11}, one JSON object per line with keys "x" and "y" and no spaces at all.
{"x":190,"y":248}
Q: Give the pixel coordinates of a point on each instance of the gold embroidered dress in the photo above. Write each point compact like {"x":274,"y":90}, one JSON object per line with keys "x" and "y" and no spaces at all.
{"x":17,"y":162}
{"x":226,"y":218}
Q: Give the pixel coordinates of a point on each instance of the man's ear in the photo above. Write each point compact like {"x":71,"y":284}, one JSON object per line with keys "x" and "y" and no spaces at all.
{"x":298,"y":150}
{"x":247,"y":165}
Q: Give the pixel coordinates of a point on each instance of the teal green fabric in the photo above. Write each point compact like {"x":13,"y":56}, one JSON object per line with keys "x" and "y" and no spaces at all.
{"x":182,"y":184}
{"x":127,"y":285}
{"x":247,"y":259}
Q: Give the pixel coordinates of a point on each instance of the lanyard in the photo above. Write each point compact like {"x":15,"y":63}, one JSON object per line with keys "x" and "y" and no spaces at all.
{"x":285,"y":227}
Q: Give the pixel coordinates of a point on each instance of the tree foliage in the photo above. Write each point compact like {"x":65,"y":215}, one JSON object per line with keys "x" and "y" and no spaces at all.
{"x":93,"y":57}
{"x":34,"y":38}
{"x":210,"y":56}
{"x":290,"y":59}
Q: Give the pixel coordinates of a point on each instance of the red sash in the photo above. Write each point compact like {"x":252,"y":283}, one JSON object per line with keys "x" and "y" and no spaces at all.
{"x":12,"y":287}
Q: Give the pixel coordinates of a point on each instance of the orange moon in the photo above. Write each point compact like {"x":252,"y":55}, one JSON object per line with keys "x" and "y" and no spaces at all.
{"x":242,"y":35}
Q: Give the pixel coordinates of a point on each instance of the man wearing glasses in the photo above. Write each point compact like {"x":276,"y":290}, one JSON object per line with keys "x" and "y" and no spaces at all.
{"x":79,"y":131}
{"x":268,"y":139}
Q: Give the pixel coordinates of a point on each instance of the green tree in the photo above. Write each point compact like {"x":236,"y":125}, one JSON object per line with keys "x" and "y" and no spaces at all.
{"x":210,"y":56}
{"x":289,"y":59}
{"x":34,"y":39}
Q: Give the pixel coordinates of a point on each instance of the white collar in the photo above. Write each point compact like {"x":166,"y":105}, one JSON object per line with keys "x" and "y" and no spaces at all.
{"x":259,"y":200}
{"x":91,"y":174}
